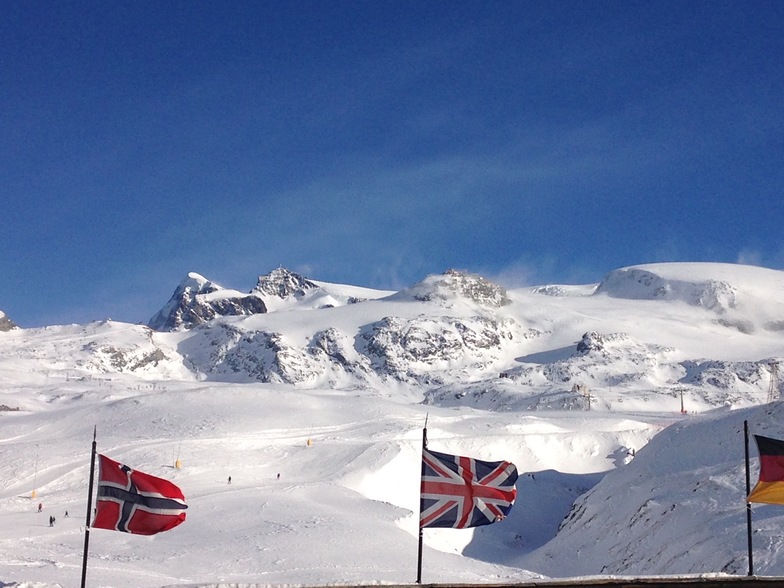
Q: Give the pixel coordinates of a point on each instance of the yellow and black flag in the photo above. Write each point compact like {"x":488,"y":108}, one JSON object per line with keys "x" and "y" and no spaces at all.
{"x":770,"y":487}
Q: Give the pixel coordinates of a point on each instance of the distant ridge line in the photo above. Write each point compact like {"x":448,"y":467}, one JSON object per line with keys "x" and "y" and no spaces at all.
{"x":669,"y":582}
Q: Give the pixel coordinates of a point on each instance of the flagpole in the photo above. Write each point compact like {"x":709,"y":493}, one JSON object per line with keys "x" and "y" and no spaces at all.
{"x":748,"y":491}
{"x":419,"y":519}
{"x":89,"y":509}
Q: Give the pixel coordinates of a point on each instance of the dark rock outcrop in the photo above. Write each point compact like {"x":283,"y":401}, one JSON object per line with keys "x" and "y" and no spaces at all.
{"x":6,"y":324}
{"x":198,"y":300}
{"x":455,"y":284}
{"x":283,"y":283}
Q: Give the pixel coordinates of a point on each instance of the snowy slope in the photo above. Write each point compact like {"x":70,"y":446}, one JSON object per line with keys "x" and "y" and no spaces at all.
{"x":357,"y":480}
{"x":678,"y":506}
{"x":333,"y":398}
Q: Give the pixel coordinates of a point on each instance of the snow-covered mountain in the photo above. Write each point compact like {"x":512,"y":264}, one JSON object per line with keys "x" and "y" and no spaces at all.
{"x":330,"y":385}
{"x":197,"y":300}
{"x":646,"y":329}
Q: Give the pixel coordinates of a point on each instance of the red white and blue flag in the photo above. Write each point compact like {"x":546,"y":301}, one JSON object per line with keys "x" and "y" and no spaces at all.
{"x":134,"y":502}
{"x":461,"y":492}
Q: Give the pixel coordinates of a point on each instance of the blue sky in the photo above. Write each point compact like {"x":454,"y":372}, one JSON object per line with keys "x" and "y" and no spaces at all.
{"x":374,"y":143}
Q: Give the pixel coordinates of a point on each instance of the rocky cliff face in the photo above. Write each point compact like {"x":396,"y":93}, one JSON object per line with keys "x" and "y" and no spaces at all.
{"x":197,"y":300}
{"x":612,"y":371}
{"x":283,"y":283}
{"x":431,"y":350}
{"x":427,"y":351}
{"x":456,"y":285}
{"x":328,"y":358}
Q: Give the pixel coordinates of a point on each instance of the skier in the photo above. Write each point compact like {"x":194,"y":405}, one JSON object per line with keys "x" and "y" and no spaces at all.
{"x":66,"y":514}
{"x":51,"y":520}
{"x":229,"y":479}
{"x":40,"y":507}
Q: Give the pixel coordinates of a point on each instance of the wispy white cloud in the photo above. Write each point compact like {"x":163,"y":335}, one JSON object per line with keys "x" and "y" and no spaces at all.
{"x":749,"y":257}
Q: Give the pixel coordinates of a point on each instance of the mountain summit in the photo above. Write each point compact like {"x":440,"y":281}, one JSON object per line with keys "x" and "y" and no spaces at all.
{"x":283,"y":283}
{"x":6,"y":324}
{"x":197,"y":300}
{"x":455,"y":284}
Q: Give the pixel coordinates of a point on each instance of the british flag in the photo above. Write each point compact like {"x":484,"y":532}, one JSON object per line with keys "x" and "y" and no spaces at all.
{"x":461,"y":492}
{"x":135,"y":502}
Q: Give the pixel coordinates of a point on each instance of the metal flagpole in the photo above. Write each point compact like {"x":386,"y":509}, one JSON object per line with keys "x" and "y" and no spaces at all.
{"x":419,"y":520}
{"x":89,"y":509}
{"x":748,"y":491}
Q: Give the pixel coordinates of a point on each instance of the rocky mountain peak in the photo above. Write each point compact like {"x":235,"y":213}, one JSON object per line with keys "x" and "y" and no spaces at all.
{"x":198,"y":300}
{"x":196,"y":284}
{"x":6,"y":324}
{"x":591,"y":341}
{"x":283,"y":283}
{"x":459,"y":284}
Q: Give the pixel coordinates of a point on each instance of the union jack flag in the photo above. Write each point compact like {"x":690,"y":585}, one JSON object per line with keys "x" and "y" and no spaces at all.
{"x":134,"y":502}
{"x":461,"y":492}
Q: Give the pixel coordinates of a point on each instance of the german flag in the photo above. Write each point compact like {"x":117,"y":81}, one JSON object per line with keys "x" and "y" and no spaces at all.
{"x":770,"y":487}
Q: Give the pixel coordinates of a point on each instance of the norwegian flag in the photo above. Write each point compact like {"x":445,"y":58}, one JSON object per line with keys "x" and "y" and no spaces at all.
{"x":461,"y":492}
{"x":135,"y":502}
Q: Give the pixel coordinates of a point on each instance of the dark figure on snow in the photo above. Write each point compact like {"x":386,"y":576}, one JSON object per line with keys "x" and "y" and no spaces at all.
{"x":40,"y":507}
{"x":229,"y":479}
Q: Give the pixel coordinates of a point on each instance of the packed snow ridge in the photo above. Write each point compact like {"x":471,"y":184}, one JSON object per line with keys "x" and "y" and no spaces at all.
{"x":621,"y":403}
